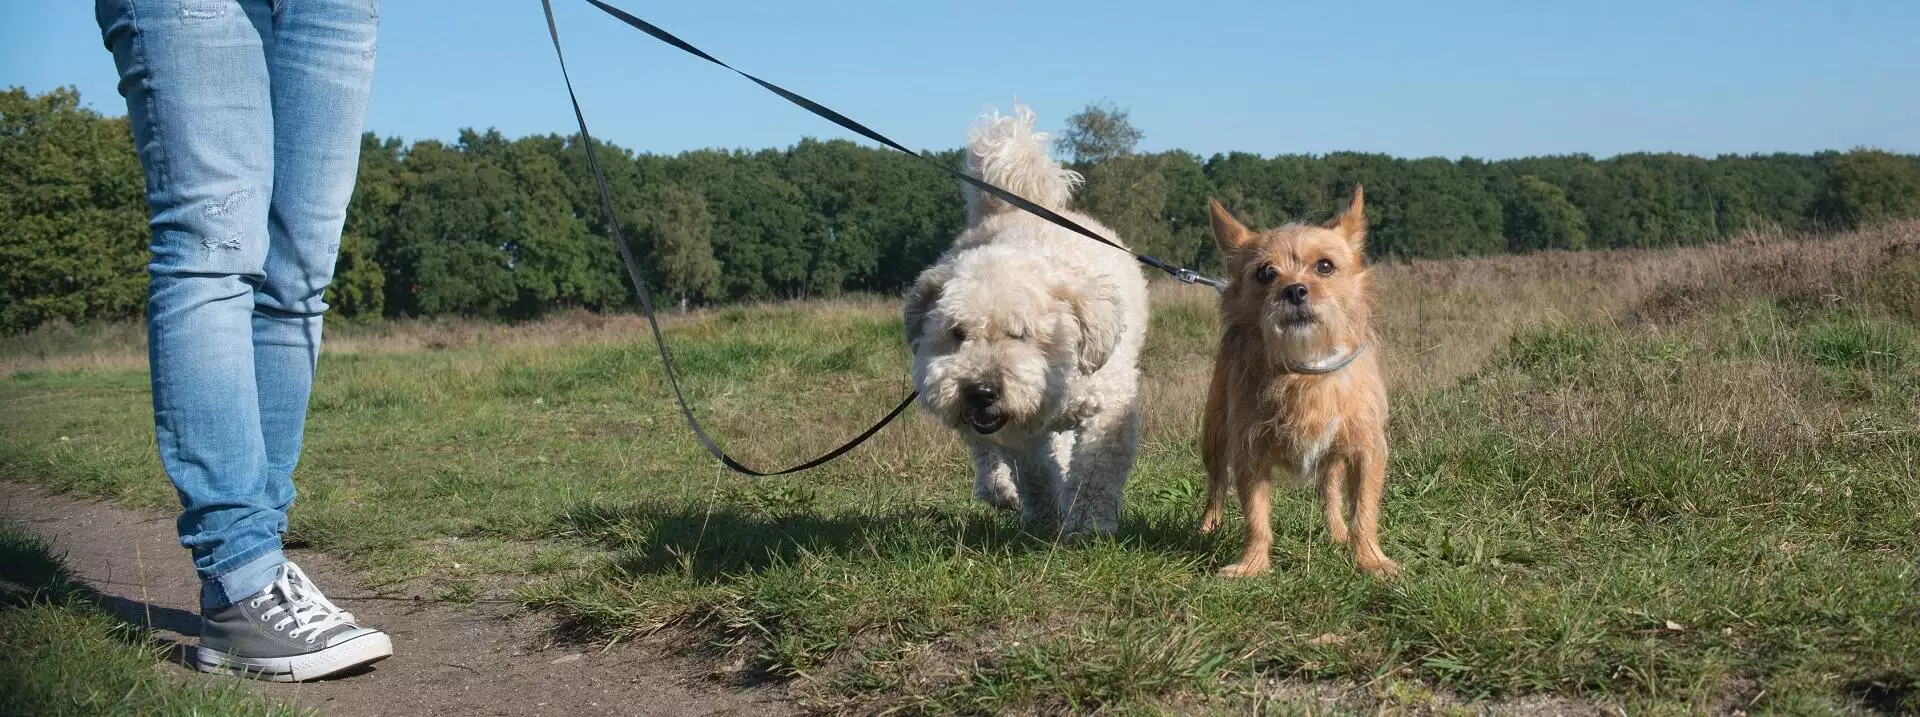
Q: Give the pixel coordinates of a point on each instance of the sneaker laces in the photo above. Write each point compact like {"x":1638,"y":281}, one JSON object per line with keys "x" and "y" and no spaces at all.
{"x":300,"y":603}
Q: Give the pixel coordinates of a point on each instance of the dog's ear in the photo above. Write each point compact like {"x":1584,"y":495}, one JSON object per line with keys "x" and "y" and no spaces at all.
{"x":920,"y":300}
{"x":1352,"y":223}
{"x":1097,"y":311}
{"x":1228,"y":232}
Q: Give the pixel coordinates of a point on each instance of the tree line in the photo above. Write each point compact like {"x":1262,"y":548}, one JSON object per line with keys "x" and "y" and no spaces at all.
{"x":510,"y":228}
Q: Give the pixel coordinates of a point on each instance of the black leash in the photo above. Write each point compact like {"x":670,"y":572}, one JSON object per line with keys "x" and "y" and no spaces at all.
{"x":646,"y":299}
{"x":646,"y":302}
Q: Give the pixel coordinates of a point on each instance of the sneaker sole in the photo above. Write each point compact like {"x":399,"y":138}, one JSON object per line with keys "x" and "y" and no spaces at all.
{"x":363,"y":650}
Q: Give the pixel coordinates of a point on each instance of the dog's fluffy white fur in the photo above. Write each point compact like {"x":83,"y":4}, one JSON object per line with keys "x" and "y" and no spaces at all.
{"x":1026,"y":341}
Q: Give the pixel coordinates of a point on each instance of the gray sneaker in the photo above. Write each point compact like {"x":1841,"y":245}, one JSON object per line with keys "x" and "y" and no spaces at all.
{"x":287,"y":633}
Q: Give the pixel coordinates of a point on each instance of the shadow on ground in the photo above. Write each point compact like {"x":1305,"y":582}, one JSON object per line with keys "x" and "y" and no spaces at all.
{"x":30,"y":575}
{"x":709,"y":544}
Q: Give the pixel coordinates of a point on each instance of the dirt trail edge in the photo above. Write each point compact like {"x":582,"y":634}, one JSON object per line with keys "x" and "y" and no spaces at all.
{"x":490,"y":659}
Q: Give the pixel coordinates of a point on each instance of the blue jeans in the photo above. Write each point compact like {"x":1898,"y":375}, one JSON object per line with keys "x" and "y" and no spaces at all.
{"x":247,"y":117}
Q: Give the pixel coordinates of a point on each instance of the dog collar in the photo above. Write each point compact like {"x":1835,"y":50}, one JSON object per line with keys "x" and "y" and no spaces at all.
{"x":1326,"y":365}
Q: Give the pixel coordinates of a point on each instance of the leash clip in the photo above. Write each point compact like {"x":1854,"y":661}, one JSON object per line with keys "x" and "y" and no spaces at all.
{"x":1189,"y":276}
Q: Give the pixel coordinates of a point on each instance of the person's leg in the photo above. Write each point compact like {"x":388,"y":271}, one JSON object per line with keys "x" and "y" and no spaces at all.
{"x":201,"y":89}
{"x":196,"y":83}
{"x":321,"y":61}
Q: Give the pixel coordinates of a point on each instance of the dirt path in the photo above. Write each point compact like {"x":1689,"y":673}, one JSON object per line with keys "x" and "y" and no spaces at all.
{"x":490,"y":659}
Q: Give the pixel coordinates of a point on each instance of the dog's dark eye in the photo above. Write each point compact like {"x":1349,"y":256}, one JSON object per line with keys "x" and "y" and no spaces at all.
{"x":1266,"y":274}
{"x":959,"y":335}
{"x":1324,"y":267}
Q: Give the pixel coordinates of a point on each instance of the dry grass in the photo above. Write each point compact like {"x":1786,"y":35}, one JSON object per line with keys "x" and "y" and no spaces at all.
{"x":1442,"y":319}
{"x":1438,"y":319}
{"x":123,"y":345}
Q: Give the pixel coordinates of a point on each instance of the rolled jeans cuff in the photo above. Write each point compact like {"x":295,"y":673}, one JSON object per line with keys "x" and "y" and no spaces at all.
{"x":242,"y":582}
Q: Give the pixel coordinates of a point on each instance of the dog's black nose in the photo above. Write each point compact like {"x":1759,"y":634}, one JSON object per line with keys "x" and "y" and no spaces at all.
{"x":979,"y":395}
{"x":1295,"y":294}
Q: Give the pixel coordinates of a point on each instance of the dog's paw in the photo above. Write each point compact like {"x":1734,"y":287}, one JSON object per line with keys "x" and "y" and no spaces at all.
{"x":1245,"y":569}
{"x":1000,"y":501}
{"x":1088,"y":530}
{"x":1078,"y":538}
{"x":1338,"y":533}
{"x":1209,"y":522}
{"x":1379,"y":566}
{"x":1090,"y":523}
{"x":996,"y":490}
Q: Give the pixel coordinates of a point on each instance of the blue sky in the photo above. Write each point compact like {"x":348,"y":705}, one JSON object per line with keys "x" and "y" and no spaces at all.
{"x":1405,"y":77}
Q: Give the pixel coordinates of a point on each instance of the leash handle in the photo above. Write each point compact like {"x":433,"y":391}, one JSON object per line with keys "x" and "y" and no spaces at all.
{"x":1184,"y":274}
{"x":646,"y":298}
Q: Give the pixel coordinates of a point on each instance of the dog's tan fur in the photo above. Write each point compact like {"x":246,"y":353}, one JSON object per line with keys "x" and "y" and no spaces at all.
{"x":1324,"y":430}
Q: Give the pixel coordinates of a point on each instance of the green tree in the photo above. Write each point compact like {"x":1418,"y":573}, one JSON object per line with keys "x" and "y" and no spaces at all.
{"x":760,"y":221}
{"x":1614,"y":217}
{"x":676,"y":246}
{"x":1787,"y":188}
{"x":1538,"y":217}
{"x":1096,"y":134}
{"x":1123,"y":190}
{"x":1869,"y":186}
{"x":855,"y":196}
{"x":627,"y":175}
{"x":550,"y":249}
{"x":1439,"y":208}
{"x":1387,"y":198}
{"x":73,"y":230}
{"x":358,"y":290}
{"x":1679,"y":189}
{"x":1190,"y":233}
{"x":1129,"y":194}
{"x":446,"y":252}
{"x":931,"y":213}
{"x":1271,"y":192}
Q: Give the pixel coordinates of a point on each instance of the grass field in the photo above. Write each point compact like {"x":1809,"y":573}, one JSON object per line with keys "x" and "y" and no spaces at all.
{"x":65,"y":656}
{"x":1664,"y":481}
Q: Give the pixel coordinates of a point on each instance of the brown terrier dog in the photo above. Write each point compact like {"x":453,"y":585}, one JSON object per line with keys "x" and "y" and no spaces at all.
{"x":1296,"y":385}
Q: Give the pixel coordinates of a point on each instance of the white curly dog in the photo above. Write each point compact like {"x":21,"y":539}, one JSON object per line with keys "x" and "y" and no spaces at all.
{"x":1026,"y":340}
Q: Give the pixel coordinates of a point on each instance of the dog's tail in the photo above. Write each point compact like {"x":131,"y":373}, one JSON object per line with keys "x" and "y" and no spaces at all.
{"x":1005,"y":151}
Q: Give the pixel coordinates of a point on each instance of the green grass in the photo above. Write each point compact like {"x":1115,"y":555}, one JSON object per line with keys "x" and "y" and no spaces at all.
{"x":64,"y":656}
{"x":1711,"y":508}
